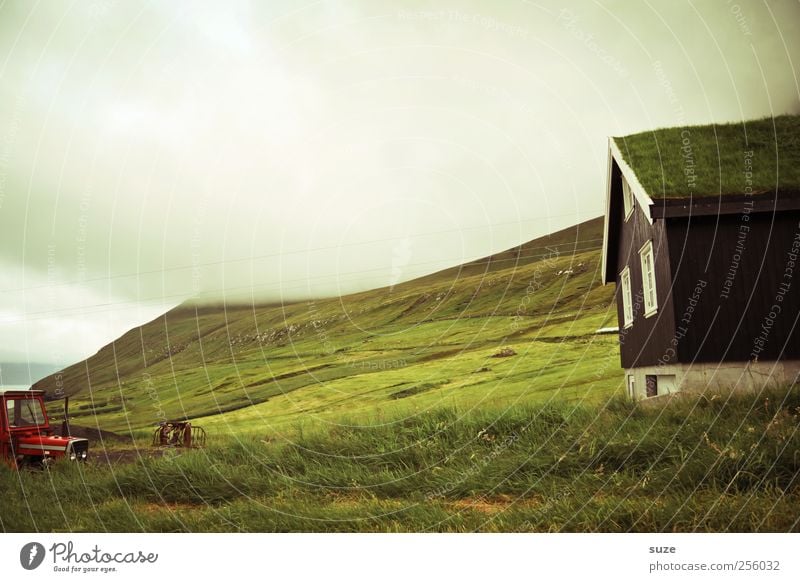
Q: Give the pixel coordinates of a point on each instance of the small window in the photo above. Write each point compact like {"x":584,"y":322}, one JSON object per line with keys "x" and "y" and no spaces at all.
{"x":627,"y":298}
{"x":648,"y":279}
{"x":627,"y":198}
{"x":24,"y":412}
{"x":632,"y":387}
{"x":652,"y":385}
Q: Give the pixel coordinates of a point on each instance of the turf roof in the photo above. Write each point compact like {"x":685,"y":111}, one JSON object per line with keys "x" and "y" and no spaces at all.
{"x":712,"y":160}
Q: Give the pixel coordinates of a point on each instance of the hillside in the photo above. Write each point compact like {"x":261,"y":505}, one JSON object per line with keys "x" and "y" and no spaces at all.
{"x":411,"y":347}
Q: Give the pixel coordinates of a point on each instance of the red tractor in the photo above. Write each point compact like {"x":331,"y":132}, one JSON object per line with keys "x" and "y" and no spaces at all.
{"x":26,"y":438}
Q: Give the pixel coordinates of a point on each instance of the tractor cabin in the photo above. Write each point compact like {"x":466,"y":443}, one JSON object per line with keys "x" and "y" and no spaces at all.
{"x":26,"y":437}
{"x":702,"y":238}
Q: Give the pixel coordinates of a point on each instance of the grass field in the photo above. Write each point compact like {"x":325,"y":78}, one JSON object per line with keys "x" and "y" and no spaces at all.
{"x":700,"y":464}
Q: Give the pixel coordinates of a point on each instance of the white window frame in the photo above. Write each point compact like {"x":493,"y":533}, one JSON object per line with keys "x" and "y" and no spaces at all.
{"x":632,"y":386}
{"x":649,"y":279}
{"x":627,"y":198}
{"x":627,"y":297}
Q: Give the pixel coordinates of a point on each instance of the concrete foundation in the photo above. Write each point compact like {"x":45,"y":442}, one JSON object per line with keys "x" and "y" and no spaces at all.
{"x":718,"y":377}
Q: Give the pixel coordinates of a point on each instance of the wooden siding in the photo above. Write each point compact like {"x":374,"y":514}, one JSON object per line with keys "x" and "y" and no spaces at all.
{"x":742,"y":271}
{"x":646,"y":342}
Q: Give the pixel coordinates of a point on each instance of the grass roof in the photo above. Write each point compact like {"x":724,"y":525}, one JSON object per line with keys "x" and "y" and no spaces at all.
{"x":711,"y":160}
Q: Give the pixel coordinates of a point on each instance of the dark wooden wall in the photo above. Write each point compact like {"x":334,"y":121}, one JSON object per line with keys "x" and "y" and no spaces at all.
{"x":725,"y":329}
{"x":645,"y":343}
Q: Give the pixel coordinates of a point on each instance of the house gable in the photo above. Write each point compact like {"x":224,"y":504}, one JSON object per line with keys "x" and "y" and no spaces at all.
{"x":618,"y":170}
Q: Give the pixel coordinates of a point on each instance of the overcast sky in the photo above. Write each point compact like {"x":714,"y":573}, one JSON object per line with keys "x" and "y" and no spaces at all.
{"x":155,"y":152}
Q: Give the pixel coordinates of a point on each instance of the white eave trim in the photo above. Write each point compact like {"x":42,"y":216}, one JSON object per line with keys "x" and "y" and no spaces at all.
{"x":638,"y":191}
{"x":640,"y":196}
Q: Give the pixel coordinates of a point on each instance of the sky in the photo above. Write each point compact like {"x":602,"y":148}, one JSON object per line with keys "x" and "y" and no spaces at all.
{"x":153,"y":153}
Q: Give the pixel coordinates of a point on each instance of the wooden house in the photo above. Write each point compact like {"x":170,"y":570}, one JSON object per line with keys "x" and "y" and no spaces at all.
{"x":702,"y":238}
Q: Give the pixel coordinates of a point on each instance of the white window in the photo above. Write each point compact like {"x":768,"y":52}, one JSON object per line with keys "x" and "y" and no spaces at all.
{"x":648,"y":279}
{"x":627,"y":198}
{"x":627,"y":298}
{"x":631,"y":387}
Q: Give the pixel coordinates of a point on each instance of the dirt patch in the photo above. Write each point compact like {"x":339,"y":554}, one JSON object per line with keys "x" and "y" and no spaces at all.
{"x":479,"y":505}
{"x":97,"y":435}
{"x":506,"y":352}
{"x":286,"y":376}
{"x":171,"y":506}
{"x":491,"y":505}
{"x":440,"y":355}
{"x":415,"y":390}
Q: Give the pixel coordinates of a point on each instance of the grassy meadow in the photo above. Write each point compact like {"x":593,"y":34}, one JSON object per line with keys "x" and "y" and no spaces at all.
{"x":702,"y":463}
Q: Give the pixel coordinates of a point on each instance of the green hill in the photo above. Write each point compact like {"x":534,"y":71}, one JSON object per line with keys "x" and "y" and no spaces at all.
{"x":415,"y":346}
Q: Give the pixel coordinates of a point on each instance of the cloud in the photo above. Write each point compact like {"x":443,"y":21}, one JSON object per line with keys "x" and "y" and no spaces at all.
{"x":46,"y":321}
{"x":151,"y":153}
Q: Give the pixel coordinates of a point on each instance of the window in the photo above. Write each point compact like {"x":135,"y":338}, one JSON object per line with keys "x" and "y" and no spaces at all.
{"x":648,"y":279}
{"x":24,"y":412}
{"x":627,"y":198}
{"x":632,"y":387}
{"x":651,"y":383}
{"x":627,"y":298}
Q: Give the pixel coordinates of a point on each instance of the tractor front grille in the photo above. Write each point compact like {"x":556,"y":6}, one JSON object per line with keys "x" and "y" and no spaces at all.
{"x":78,"y":447}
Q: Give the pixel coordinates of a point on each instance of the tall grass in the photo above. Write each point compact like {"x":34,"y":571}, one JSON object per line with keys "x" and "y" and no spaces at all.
{"x":698,"y":463}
